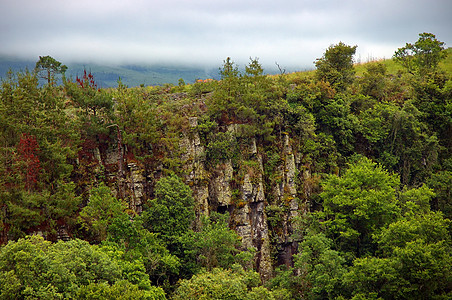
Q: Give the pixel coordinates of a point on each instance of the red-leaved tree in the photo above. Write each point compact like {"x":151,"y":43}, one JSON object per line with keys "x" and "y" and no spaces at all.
{"x":27,"y":149}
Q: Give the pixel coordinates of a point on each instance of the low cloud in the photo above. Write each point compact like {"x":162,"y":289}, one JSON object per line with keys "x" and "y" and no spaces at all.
{"x":293,"y":33}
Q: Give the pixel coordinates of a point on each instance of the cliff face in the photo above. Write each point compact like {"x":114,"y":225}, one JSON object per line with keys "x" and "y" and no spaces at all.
{"x":239,"y":187}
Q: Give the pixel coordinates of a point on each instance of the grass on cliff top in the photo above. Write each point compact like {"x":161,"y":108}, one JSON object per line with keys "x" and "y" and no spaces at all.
{"x":391,"y":66}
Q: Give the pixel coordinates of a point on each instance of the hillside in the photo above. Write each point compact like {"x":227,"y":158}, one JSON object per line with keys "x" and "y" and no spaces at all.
{"x":131,"y":75}
{"x":328,"y":184}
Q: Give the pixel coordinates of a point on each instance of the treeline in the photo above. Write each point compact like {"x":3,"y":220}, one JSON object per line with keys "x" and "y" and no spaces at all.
{"x":374,"y":209}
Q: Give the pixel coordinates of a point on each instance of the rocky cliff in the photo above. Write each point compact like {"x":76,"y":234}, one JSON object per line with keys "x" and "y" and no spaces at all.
{"x":262,"y":206}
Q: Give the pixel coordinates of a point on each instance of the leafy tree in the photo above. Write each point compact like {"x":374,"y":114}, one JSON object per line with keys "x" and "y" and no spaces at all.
{"x":48,"y":67}
{"x":215,"y":244}
{"x":320,"y":267}
{"x":336,"y":65}
{"x":433,"y":96}
{"x":441,"y":183}
{"x":234,"y":283}
{"x":400,"y":140}
{"x":414,"y":261}
{"x":139,"y":252}
{"x":334,"y":117}
{"x":431,"y":227}
{"x":95,"y":104}
{"x":286,"y":281}
{"x":122,"y":290}
{"x":137,"y":119}
{"x":423,"y":56}
{"x":38,"y":140}
{"x":171,"y":212}
{"x":224,"y":103}
{"x":373,"y":82}
{"x":221,"y":147}
{"x":100,"y":211}
{"x":358,"y":204}
{"x":39,"y":269}
{"x":263,"y":105}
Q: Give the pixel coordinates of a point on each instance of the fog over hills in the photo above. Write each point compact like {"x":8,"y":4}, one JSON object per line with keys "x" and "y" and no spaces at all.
{"x":130,"y":74}
{"x":107,"y":75}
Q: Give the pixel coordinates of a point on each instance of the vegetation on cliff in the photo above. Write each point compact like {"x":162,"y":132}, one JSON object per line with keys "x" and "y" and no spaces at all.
{"x":329,"y":184}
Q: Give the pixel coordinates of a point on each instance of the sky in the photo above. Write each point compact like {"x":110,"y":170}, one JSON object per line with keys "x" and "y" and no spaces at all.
{"x":291,"y":33}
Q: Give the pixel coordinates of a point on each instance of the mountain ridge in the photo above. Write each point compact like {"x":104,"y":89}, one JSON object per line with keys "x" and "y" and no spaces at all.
{"x":130,"y":74}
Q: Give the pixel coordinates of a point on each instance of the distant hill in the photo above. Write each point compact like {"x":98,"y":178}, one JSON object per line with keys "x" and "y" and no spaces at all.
{"x":131,"y":75}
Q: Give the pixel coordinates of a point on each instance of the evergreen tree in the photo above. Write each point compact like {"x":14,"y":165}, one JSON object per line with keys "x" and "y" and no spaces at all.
{"x":336,"y":65}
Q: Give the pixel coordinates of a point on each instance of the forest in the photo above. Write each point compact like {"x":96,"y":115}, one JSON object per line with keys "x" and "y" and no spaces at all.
{"x":334,"y":183}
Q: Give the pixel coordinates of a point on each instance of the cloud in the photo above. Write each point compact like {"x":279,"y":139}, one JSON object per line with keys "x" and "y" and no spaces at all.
{"x":292,"y":32}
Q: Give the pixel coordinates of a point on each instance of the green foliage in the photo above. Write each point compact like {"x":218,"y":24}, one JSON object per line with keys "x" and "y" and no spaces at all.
{"x":37,"y":141}
{"x":100,"y":211}
{"x":423,"y":56}
{"x":431,"y":227}
{"x":286,"y":282}
{"x":139,"y":252}
{"x":73,"y":269}
{"x":95,"y":104}
{"x":47,"y":66}
{"x":336,"y":65}
{"x":400,"y":140}
{"x":137,"y":115}
{"x":300,"y":121}
{"x":120,"y":290}
{"x":333,"y":116}
{"x":321,"y":267}
{"x":441,"y":183}
{"x":223,"y":103}
{"x":249,"y":99}
{"x":221,"y":147}
{"x":415,"y":262}
{"x":171,"y":212}
{"x":358,"y":204}
{"x":206,"y":129}
{"x":433,"y":96}
{"x":215,"y":244}
{"x":234,"y":283}
{"x":373,"y":82}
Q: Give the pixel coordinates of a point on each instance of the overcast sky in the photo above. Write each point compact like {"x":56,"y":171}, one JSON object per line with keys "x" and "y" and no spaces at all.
{"x":291,"y":32}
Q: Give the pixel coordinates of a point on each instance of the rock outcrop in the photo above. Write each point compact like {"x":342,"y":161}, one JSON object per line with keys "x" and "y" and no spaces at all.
{"x":239,"y":187}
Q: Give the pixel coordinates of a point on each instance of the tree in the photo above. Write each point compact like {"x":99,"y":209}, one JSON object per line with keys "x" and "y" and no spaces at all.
{"x":320,"y":267}
{"x":96,"y":105}
{"x":358,"y":204}
{"x":441,"y":183}
{"x":400,"y":140}
{"x":433,"y":98}
{"x":215,"y":245}
{"x":48,"y":67}
{"x":413,"y":262}
{"x":171,"y":212}
{"x":38,"y":139}
{"x":423,"y":56}
{"x":223,"y":104}
{"x":33,"y":268}
{"x":140,"y":253}
{"x":373,"y":82}
{"x":234,"y":283}
{"x":102,"y":208}
{"x":336,"y":65}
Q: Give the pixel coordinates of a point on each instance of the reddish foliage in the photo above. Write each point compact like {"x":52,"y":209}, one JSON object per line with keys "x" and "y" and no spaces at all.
{"x":27,"y":149}
{"x":87,"y":81}
{"x":87,"y":149}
